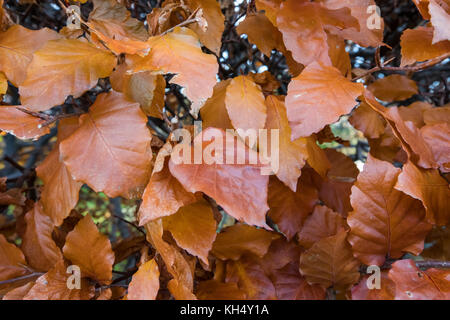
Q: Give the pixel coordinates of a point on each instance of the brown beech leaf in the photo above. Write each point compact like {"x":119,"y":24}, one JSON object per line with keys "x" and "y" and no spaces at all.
{"x":292,"y":154}
{"x":19,"y":293}
{"x":114,"y":21}
{"x":262,"y":32}
{"x":182,"y":284}
{"x":394,"y":87}
{"x":291,"y":285}
{"x":322,"y":223}
{"x":145,"y":282}
{"x":289,"y":209}
{"x":12,"y":260}
{"x":361,"y":291}
{"x":271,"y":8}
{"x":194,"y":228}
{"x":439,"y":238}
{"x":214,"y":113}
{"x":62,"y":68}
{"x":438,"y":138}
{"x":117,"y":158}
{"x":239,"y":239}
{"x":250,"y":277}
{"x":303,"y":25}
{"x":368,"y":121}
{"x":53,"y":286}
{"x":60,"y":193}
{"x":179,"y":52}
{"x":415,"y":112}
{"x":216,"y":290}
{"x":440,"y":18}
{"x":17,"y":46}
{"x":417,"y":46}
{"x":244,"y":101}
{"x":385,"y":222}
{"x":335,"y":189}
{"x":365,"y":36}
{"x":90,"y":250}
{"x":317,"y":97}
{"x":163,"y":196}
{"x":3,"y":83}
{"x":413,"y":284}
{"x":38,"y":246}
{"x":21,"y":124}
{"x":339,"y":57}
{"x":240,"y":189}
{"x":330,"y":262}
{"x":437,"y":115}
{"x":146,"y":88}
{"x":429,"y":187}
{"x":422,"y":5}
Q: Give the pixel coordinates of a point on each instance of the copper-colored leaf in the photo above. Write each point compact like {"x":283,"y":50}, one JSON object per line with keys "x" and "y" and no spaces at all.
{"x":239,"y":239}
{"x":292,"y":154}
{"x":386,"y":291}
{"x":38,"y":246}
{"x":21,"y":124}
{"x":323,"y":223}
{"x":179,"y":52}
{"x":291,"y":285}
{"x":385,"y":221}
{"x":19,"y":293}
{"x":53,"y":286}
{"x":303,"y":26}
{"x":215,"y":290}
{"x":437,"y":136}
{"x":365,"y":119}
{"x":90,"y":250}
{"x":163,"y":196}
{"x":394,"y":87}
{"x":429,"y":187}
{"x":214,"y":113}
{"x":110,"y":151}
{"x":317,"y":97}
{"x":17,"y":45}
{"x":244,"y":101}
{"x":414,"y":284}
{"x":417,"y":46}
{"x":12,"y":260}
{"x":330,"y":262}
{"x":145,"y":282}
{"x":60,"y":193}
{"x":440,"y":18}
{"x":289,"y":209}
{"x":61,"y":68}
{"x":193,"y":228}
{"x":225,"y":182}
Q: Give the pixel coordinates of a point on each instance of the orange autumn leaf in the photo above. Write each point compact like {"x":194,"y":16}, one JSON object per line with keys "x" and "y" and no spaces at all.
{"x":167,"y":55}
{"x":393,"y":87}
{"x":38,"y":246}
{"x":225,"y":182}
{"x":385,"y":222}
{"x":21,"y":124}
{"x":60,"y":193}
{"x":145,"y":282}
{"x":440,"y":17}
{"x":417,"y":46}
{"x":330,"y":262}
{"x":193,"y":228}
{"x":317,"y":97}
{"x":12,"y":260}
{"x":235,"y":241}
{"x":322,"y":223}
{"x":214,"y":113}
{"x":62,"y":68}
{"x":437,"y":136}
{"x":289,"y":209}
{"x":90,"y":250}
{"x":361,"y":291}
{"x":244,"y":101}
{"x":292,"y":154}
{"x":215,"y":290}
{"x":53,"y":286}
{"x":163,"y":196}
{"x":365,"y":119}
{"x":17,"y":46}
{"x":413,"y":284}
{"x":117,"y":159}
{"x":304,"y":26}
{"x":429,"y":187}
